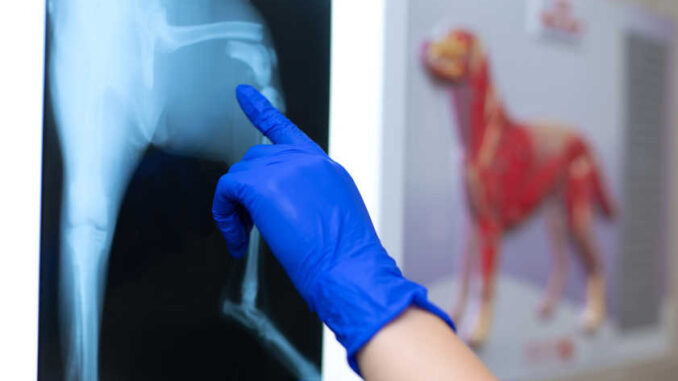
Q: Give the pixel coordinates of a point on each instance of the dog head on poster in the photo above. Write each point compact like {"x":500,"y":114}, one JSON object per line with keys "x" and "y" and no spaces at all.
{"x":454,"y":56}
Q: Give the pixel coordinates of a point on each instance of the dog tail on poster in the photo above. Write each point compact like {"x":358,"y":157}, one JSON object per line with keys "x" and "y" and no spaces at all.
{"x":602,"y":195}
{"x":600,"y":192}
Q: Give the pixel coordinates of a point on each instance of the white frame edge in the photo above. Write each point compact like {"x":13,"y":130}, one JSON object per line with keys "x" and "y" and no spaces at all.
{"x":22,"y":36}
{"x":355,"y":122}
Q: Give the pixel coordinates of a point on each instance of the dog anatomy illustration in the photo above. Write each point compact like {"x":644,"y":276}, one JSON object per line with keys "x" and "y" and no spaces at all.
{"x":128,"y":74}
{"x":510,"y":169}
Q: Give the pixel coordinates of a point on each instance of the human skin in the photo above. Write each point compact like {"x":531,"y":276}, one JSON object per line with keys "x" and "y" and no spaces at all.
{"x":419,"y":346}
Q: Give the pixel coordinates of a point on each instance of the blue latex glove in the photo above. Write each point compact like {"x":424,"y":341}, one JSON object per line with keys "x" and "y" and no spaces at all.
{"x":313,"y":218}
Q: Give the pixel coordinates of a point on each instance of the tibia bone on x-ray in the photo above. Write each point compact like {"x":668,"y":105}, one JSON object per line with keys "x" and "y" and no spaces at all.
{"x":128,"y":74}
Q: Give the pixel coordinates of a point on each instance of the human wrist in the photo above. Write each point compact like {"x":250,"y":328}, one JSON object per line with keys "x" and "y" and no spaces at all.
{"x":355,"y":308}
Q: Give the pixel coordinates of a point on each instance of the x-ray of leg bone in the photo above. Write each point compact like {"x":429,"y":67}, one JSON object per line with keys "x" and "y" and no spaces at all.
{"x":126,"y":75}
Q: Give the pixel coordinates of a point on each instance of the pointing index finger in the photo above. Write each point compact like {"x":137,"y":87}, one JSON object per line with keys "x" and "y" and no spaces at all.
{"x":268,"y":119}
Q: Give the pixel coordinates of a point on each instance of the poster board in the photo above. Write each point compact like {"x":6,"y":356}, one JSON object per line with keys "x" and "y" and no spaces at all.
{"x":539,"y":75}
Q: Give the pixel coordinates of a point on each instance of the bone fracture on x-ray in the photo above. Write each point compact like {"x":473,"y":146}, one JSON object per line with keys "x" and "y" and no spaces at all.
{"x":122,"y":78}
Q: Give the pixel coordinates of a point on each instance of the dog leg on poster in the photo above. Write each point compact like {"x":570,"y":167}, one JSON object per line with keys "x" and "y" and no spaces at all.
{"x":247,"y":314}
{"x":594,"y":312}
{"x":559,"y":265}
{"x":468,"y":259}
{"x":490,"y":234}
{"x":580,"y":211}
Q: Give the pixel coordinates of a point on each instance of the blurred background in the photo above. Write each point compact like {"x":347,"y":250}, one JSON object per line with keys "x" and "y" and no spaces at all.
{"x":605,"y":70}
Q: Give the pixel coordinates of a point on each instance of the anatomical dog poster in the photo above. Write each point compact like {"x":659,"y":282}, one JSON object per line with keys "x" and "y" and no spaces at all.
{"x":141,"y":120}
{"x":536,"y":179}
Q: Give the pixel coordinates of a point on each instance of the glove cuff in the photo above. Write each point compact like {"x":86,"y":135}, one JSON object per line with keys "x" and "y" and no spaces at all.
{"x":358,"y":297}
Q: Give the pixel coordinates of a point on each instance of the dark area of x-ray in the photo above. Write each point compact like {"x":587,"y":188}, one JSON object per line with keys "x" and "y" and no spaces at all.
{"x":167,"y":300}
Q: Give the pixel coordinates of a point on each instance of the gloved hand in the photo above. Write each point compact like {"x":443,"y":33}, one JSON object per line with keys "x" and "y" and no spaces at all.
{"x":313,"y":218}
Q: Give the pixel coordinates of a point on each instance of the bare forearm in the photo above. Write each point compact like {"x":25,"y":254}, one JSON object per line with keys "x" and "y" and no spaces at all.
{"x":419,"y":346}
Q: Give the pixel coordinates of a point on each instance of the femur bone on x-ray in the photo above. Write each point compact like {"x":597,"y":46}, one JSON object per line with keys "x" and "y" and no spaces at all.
{"x":125,"y":75}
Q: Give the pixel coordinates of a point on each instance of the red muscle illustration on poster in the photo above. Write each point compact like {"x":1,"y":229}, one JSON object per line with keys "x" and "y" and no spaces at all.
{"x":510,"y":169}
{"x":535,"y":170}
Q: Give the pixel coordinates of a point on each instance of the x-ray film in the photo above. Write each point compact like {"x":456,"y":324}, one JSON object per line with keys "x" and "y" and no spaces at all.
{"x":140,"y":122}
